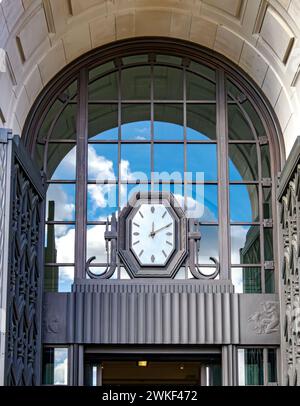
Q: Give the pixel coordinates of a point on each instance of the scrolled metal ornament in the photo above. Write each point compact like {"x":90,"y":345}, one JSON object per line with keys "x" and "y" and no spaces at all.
{"x":111,"y":252}
{"x":194,"y":248}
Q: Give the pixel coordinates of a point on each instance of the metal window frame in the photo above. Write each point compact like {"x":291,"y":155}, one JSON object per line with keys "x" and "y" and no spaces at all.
{"x":187,"y":51}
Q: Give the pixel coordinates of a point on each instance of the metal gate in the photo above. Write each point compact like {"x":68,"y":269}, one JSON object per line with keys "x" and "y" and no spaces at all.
{"x":22,"y":195}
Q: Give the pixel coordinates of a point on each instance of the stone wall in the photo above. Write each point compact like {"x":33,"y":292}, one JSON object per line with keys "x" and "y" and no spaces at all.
{"x":40,"y":37}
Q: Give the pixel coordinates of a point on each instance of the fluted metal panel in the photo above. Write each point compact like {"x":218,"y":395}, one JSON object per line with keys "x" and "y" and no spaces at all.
{"x":139,"y":314}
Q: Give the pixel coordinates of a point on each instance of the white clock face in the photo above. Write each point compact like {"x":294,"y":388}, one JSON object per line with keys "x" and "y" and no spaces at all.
{"x":153,"y":234}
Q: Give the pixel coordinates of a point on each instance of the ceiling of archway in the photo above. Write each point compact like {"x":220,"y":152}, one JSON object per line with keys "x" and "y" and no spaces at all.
{"x":40,"y":37}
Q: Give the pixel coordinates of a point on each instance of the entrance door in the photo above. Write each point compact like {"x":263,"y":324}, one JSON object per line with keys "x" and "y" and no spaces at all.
{"x":205,"y":371}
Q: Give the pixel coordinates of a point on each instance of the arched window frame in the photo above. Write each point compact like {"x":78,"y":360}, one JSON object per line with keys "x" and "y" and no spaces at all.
{"x":225,"y":70}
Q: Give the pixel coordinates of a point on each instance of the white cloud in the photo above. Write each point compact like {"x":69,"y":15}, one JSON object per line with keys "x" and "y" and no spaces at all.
{"x":99,"y":166}
{"x":65,"y":246}
{"x":64,"y":210}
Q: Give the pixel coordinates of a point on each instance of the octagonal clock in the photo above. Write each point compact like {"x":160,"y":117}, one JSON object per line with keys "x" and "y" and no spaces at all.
{"x":152,"y":235}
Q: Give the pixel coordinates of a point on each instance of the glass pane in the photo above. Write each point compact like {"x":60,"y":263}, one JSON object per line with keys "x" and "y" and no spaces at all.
{"x":267,"y":203}
{"x":136,"y":122}
{"x":246,"y":280}
{"x":250,"y":366}
{"x":175,"y":189}
{"x":65,"y":126}
{"x":202,"y":70}
{"x":265,"y":161}
{"x":61,"y":163}
{"x":58,"y":279}
{"x":202,"y":202}
{"x":198,"y":88}
{"x":53,"y":112}
{"x":60,"y":204}
{"x":128,"y":190}
{"x":238,"y":126}
{"x":55,"y":366}
{"x":244,"y":203}
{"x":168,"y":122}
{"x":105,"y":88}
{"x":59,"y":244}
{"x":245,"y":245}
{"x":268,"y":244}
{"x":169,"y":59}
{"x":39,"y":156}
{"x":243,"y":165}
{"x":209,"y":244}
{"x":103,"y":122}
{"x":169,"y":158}
{"x":124,"y":274}
{"x":201,"y":122}
{"x":136,"y":83}
{"x":95,"y":243}
{"x":254,"y":117}
{"x":202,"y":159}
{"x":135,"y":162}
{"x":270,"y":281}
{"x":102,"y":162}
{"x":102,"y":202}
{"x":100,"y":70}
{"x":135,"y":59}
{"x":235,"y":93}
{"x":180,"y":274}
{"x":164,"y":80}
{"x":272,"y":365}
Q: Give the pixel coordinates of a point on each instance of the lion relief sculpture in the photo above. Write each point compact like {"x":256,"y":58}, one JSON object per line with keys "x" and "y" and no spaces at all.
{"x":266,"y":321}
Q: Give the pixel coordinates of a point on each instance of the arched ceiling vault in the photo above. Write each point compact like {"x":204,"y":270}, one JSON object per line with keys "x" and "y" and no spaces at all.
{"x":39,"y":37}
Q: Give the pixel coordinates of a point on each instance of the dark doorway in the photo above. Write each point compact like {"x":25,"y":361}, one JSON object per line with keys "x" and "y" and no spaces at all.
{"x":196,"y":371}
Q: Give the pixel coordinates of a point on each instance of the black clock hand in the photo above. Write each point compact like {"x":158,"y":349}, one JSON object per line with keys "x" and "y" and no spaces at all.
{"x":152,"y":234}
{"x":161,"y":229}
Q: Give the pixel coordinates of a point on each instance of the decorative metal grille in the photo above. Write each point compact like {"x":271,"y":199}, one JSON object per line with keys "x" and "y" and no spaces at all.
{"x":24,"y":272}
{"x":290,"y":219}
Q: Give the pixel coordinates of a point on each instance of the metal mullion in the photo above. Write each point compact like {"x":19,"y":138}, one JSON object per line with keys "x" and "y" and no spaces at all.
{"x":69,"y":265}
{"x":265,"y":366}
{"x":146,"y":101}
{"x":210,"y":142}
{"x":185,"y":149}
{"x":103,"y":142}
{"x":61,"y":182}
{"x":98,"y":101}
{"x":103,"y":182}
{"x":210,"y":223}
{"x":194,"y":101}
{"x":114,"y":142}
{"x":223,"y":198}
{"x":244,"y":223}
{"x":119,"y":135}
{"x":246,"y":265}
{"x":98,"y":223}
{"x":60,"y":223}
{"x":244,"y":182}
{"x":232,"y":142}
{"x":81,"y":171}
{"x":61,"y":141}
{"x":168,"y":142}
{"x":152,"y":125}
{"x":261,"y":217}
{"x":205,"y":182}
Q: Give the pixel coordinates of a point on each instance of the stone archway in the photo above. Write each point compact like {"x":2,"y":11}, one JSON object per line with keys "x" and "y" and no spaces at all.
{"x":41,"y":37}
